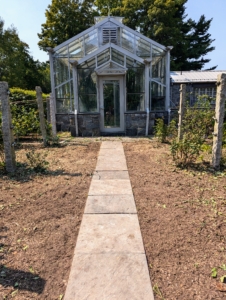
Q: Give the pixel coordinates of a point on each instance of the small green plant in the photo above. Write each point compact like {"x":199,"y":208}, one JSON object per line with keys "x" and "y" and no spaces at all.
{"x":157,"y":291}
{"x":160,"y":130}
{"x":185,"y":151}
{"x":163,"y":131}
{"x":37,"y":161}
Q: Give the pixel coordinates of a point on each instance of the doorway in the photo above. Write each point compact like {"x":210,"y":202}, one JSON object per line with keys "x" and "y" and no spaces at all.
{"x":111,"y":104}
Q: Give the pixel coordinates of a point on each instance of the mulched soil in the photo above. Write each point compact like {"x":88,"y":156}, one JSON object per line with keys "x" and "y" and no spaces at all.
{"x":40,"y":215}
{"x":182,"y":215}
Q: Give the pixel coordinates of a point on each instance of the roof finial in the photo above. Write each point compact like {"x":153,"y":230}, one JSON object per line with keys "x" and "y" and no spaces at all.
{"x":108,"y":10}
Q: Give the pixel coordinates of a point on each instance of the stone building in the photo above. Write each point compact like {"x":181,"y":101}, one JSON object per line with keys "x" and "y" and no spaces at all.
{"x":197,"y":83}
{"x":110,"y":79}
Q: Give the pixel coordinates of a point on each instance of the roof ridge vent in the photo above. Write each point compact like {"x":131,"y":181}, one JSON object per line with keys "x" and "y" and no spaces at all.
{"x":109,"y":35}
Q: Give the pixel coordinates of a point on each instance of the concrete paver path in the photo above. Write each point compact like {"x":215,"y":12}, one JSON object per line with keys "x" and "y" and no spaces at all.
{"x":109,"y":260}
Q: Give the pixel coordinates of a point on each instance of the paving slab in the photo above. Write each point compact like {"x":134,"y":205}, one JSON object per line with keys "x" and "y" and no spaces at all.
{"x":111,"y":165}
{"x":111,"y":152}
{"x":115,"y":233}
{"x":109,"y":277}
{"x":110,"y":187}
{"x":113,"y":204}
{"x":102,"y":175}
{"x":111,"y":144}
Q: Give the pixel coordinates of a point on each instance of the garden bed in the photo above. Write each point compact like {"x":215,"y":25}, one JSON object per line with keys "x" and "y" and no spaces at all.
{"x":182,"y":215}
{"x":40,"y":215}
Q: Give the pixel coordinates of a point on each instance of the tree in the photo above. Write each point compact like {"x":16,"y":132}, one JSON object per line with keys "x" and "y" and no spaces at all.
{"x":165,"y":22}
{"x":17,"y":66}
{"x":65,"y":19}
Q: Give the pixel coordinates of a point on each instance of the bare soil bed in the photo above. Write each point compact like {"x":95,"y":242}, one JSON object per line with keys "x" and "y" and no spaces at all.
{"x":40,"y":215}
{"x":182,"y":215}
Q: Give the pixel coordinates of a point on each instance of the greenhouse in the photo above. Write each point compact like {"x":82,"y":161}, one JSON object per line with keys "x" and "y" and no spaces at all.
{"x":108,"y":80}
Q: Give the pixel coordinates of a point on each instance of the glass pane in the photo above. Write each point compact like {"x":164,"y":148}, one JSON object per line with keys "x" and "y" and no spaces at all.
{"x":87,"y":90}
{"x":159,"y":70}
{"x":88,"y":64}
{"x":76,"y":49}
{"x":111,"y":95}
{"x":135,"y":80}
{"x":127,"y":40}
{"x":103,"y":57}
{"x":156,"y":51}
{"x":135,"y":102}
{"x":61,"y":52}
{"x":117,"y":57}
{"x":87,"y":103}
{"x":61,"y":71}
{"x":143,"y":48}
{"x":130,"y":62}
{"x":91,"y":41}
{"x":63,"y":98}
{"x":157,"y":96}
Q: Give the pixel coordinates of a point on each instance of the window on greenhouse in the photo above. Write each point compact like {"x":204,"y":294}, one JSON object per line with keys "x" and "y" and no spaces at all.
{"x":135,"y":89}
{"x":87,"y":93}
{"x":158,"y":69}
{"x":61,"y":71}
{"x":158,"y":93}
{"x":65,"y":98}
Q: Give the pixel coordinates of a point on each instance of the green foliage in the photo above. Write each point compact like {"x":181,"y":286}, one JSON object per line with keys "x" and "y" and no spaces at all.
{"x":22,"y":94}
{"x":73,"y":16}
{"x":37,"y":161}
{"x":162,"y":131}
{"x":197,"y":125}
{"x":17,"y":66}
{"x":25,"y":120}
{"x":165,"y":22}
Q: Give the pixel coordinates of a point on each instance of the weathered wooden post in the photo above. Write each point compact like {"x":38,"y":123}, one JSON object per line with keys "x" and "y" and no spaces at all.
{"x":8,"y":138}
{"x":52,"y":115}
{"x":41,"y":114}
{"x":181,"y":110}
{"x":219,"y":120}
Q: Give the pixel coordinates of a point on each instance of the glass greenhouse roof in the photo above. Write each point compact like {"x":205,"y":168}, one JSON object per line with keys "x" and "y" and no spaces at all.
{"x":108,"y":31}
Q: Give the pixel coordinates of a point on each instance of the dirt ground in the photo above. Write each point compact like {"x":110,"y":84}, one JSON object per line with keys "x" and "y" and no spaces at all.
{"x":40,"y":215}
{"x":182,"y":214}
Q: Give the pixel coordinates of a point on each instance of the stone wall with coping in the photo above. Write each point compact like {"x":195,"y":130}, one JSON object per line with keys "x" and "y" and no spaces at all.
{"x":89,"y":124}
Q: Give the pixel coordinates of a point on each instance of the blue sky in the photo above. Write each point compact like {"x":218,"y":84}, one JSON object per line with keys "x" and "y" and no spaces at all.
{"x":28,"y":15}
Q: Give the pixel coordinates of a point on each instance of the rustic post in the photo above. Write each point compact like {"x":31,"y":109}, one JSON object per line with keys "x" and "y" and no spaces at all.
{"x":181,"y":110}
{"x":219,"y":120}
{"x":52,"y":115}
{"x":8,"y":139}
{"x":41,"y":114}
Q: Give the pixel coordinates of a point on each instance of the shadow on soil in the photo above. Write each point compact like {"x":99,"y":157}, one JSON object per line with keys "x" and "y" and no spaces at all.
{"x":21,"y":280}
{"x":18,"y":279}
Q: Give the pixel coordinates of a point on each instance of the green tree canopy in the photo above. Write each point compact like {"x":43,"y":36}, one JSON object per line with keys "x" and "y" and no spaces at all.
{"x":17,"y":66}
{"x":166,"y":22}
{"x":65,"y":19}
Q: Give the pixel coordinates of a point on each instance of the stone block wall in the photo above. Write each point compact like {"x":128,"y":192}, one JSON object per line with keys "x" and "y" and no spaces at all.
{"x":89,"y":125}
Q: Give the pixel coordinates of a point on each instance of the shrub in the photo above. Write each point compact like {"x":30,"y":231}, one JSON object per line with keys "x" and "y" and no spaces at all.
{"x":162,"y":131}
{"x":37,"y":161}
{"x":197,"y":125}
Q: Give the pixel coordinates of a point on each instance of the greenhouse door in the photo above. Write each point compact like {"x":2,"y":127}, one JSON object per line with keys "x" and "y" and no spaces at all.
{"x":111,"y":104}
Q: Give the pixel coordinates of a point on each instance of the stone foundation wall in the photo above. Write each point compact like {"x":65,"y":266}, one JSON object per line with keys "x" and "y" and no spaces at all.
{"x":89,"y":124}
{"x":136,"y":122}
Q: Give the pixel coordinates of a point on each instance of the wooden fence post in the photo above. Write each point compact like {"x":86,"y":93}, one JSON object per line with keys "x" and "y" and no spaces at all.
{"x":219,"y":120}
{"x":7,"y":129}
{"x":181,"y":110}
{"x":52,"y":115}
{"x":41,"y":114}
